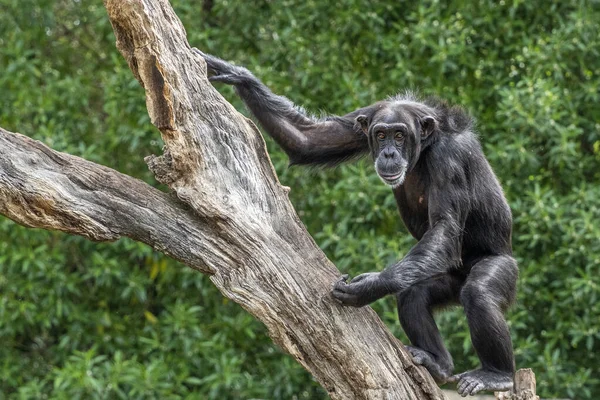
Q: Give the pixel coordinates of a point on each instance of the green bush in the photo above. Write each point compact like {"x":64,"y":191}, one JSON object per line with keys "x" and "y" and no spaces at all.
{"x":116,"y":320}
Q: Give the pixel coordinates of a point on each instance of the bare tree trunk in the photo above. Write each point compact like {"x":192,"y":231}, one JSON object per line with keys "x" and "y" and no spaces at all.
{"x":228,"y":216}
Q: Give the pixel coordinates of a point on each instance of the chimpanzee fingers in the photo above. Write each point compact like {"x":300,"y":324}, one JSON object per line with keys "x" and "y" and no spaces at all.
{"x":341,"y":284}
{"x":361,"y":277}
{"x":214,"y":64}
{"x":340,"y":296}
{"x":346,"y":299}
{"x":211,"y":61}
{"x":358,"y":278}
{"x":200,"y":52}
{"x":220,"y":78}
{"x":231,"y":79}
{"x":343,"y":292}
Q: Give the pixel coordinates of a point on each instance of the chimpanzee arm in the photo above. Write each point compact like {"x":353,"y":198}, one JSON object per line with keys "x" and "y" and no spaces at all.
{"x":438,"y":251}
{"x":306,"y":140}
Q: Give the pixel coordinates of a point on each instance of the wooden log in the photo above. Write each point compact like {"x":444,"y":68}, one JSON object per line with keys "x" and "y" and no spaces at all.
{"x":524,"y":388}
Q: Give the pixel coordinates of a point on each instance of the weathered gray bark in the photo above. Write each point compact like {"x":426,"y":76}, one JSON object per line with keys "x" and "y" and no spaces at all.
{"x":228,"y":216}
{"x":524,"y":388}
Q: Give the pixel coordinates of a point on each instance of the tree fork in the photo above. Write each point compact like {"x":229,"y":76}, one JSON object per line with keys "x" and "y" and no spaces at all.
{"x":228,"y":215}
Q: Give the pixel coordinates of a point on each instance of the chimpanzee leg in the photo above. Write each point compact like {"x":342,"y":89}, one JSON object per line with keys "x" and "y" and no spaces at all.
{"x":415,"y":306}
{"x":488,"y":291}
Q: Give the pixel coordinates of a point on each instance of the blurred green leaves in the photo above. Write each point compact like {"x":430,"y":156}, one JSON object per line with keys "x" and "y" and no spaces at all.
{"x":116,"y":320}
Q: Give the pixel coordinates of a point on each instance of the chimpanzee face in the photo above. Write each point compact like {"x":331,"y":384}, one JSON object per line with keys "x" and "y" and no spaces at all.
{"x":395,"y":135}
{"x":389,"y":146}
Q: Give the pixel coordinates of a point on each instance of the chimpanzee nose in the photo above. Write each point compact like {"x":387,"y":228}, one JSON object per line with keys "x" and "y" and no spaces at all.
{"x":388,"y":153}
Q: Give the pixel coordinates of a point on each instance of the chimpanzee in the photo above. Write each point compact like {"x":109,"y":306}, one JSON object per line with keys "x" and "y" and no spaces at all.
{"x":449,"y":199}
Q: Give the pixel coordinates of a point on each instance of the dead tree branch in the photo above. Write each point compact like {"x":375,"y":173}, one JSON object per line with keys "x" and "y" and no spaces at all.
{"x":227,"y":216}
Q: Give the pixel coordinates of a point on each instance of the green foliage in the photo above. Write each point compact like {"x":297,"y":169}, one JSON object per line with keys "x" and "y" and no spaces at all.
{"x":116,"y":320}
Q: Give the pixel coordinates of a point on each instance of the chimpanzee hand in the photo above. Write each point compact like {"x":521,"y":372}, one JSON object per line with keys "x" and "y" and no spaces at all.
{"x":360,"y":291}
{"x":222,"y":71}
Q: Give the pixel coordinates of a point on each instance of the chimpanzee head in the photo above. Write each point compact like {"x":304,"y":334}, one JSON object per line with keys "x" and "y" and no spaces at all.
{"x":396,"y":131}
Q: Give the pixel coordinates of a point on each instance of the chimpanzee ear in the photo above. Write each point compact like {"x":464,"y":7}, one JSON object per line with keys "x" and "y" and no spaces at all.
{"x":362,"y":123}
{"x":428,"y":125}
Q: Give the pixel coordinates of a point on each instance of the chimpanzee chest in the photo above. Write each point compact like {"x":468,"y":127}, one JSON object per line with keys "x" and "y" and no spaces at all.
{"x":411,"y":198}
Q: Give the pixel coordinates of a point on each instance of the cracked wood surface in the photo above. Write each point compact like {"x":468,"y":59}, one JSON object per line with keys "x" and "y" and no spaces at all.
{"x":227,"y":215}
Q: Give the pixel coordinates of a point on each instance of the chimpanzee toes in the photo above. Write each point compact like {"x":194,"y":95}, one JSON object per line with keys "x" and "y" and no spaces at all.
{"x":439,"y":372}
{"x":473,"y":382}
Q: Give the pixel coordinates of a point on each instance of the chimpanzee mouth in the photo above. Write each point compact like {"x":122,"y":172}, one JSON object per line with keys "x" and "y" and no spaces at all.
{"x":393,"y":180}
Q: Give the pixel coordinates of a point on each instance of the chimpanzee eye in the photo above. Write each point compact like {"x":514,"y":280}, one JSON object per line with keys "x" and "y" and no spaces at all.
{"x":398,"y":135}
{"x":380,"y":135}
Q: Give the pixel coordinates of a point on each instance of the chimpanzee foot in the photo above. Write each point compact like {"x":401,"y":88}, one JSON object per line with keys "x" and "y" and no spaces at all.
{"x":472,"y":382}
{"x":439,"y":373}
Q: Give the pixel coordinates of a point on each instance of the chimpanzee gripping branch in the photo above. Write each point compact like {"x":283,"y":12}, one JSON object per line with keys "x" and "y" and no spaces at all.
{"x":228,"y":215}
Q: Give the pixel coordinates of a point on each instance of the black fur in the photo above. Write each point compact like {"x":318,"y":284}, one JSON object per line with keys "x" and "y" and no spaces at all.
{"x":449,"y":199}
